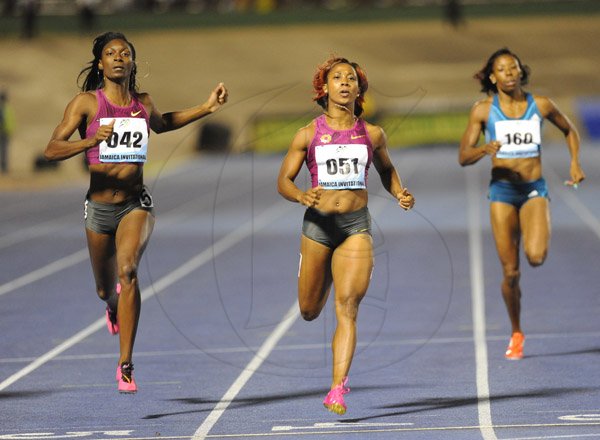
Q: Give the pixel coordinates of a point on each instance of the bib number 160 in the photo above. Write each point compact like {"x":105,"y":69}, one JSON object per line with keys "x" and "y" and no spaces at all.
{"x":342,"y":165}
{"x":519,"y":138}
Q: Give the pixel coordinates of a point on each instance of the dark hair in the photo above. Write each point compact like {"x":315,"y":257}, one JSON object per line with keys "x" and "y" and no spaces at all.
{"x":320,"y":79}
{"x":94,"y":78}
{"x":483,"y":76}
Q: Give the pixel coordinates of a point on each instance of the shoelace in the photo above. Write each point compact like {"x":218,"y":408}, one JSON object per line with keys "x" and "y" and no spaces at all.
{"x":340,"y":390}
{"x":126,"y":371}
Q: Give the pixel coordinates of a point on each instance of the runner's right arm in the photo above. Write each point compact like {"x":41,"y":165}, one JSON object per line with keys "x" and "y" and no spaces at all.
{"x":79,"y":109}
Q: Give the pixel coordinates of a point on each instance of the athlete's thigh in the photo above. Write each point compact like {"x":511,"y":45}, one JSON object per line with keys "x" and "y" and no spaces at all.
{"x":535,"y":224}
{"x":352,"y":267}
{"x":102,"y":256}
{"x":133,"y":234}
{"x":314,"y":273}
{"x":504,"y":218}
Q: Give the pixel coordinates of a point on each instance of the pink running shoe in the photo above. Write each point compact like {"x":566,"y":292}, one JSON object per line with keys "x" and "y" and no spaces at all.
{"x":334,"y":401}
{"x":111,"y":317}
{"x":125,"y":378}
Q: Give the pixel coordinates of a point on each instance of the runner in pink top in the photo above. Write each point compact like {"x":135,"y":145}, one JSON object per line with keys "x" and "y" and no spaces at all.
{"x":106,"y":109}
{"x":336,"y":246}
{"x":326,"y":140}
{"x":114,"y":122}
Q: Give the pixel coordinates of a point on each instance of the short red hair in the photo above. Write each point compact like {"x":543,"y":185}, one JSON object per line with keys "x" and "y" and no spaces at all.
{"x":320,"y":79}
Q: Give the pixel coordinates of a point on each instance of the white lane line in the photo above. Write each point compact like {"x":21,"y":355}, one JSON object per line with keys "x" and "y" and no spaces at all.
{"x":547,"y":437}
{"x":333,"y":425}
{"x":569,"y":197}
{"x":265,"y":350}
{"x":83,"y":254}
{"x":408,"y":429}
{"x":245,"y":230}
{"x":47,"y":270}
{"x":126,"y":434}
{"x":39,"y":230}
{"x":298,"y":347}
{"x":478,"y":304}
{"x":290,"y":317}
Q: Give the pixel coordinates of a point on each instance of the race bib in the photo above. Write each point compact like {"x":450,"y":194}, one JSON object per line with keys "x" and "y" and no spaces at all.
{"x":128,"y":143}
{"x":520,"y":138}
{"x":342,"y":166}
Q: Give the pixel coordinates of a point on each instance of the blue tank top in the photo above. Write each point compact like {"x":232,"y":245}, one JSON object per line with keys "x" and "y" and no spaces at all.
{"x":520,"y":137}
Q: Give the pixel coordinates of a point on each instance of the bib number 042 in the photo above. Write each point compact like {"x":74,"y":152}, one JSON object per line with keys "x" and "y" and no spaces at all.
{"x":126,"y":139}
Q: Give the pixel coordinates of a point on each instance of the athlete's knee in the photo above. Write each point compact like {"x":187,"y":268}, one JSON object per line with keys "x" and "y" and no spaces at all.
{"x":511,"y":276}
{"x":348,"y":307}
{"x":309,"y":314}
{"x":128,"y":273}
{"x":536,"y":257}
{"x":103,"y":294}
{"x":309,"y":310}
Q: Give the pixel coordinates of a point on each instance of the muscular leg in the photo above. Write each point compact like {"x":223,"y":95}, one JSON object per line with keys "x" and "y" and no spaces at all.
{"x":352,"y":265}
{"x":132,"y":237}
{"x":314,"y":279}
{"x":102,"y":256}
{"x":535,"y":224}
{"x":505,"y":225}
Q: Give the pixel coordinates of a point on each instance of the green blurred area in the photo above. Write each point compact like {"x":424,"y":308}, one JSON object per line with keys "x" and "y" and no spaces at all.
{"x":424,"y":129}
{"x":273,"y":135}
{"x":180,"y":19}
{"x":402,"y":52}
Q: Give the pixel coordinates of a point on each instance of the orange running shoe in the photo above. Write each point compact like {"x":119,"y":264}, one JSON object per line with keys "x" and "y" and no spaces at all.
{"x":515,"y":346}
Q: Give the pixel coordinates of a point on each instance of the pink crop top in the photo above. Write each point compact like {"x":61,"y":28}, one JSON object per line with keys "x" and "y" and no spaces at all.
{"x":339,"y":159}
{"x":108,"y":110}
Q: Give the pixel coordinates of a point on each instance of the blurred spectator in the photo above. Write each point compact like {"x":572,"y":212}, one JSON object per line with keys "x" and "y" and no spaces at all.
{"x":453,"y":13}
{"x":87,"y":14}
{"x":7,"y":124}
{"x":30,"y":17}
{"x":9,"y":7}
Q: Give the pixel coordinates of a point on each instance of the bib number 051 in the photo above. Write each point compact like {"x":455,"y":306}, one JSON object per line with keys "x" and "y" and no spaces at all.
{"x":342,"y":165}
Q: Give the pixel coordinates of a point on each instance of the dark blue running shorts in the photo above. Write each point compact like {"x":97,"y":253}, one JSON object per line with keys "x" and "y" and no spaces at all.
{"x":517,"y":194}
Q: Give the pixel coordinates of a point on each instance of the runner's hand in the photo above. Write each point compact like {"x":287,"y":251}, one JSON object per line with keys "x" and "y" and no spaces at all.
{"x":492,"y":148}
{"x":217,"y":97}
{"x":405,"y":199}
{"x":104,"y":132}
{"x":577,"y":174}
{"x":311,"y":197}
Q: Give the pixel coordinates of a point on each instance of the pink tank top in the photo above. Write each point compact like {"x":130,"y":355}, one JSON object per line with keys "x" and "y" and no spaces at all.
{"x":339,"y":159}
{"x":108,"y":110}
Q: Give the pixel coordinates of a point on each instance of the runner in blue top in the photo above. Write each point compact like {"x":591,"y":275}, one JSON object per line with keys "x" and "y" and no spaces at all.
{"x":512,"y":119}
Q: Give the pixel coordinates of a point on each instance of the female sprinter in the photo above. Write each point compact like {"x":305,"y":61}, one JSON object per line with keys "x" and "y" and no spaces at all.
{"x":512,"y":121}
{"x":114,"y":121}
{"x":336,"y":245}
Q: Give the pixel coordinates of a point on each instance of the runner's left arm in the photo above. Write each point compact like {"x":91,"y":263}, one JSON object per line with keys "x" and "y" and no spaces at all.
{"x":163,"y":122}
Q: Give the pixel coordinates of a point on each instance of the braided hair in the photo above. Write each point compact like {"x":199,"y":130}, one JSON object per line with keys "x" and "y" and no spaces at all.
{"x":93,"y":76}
